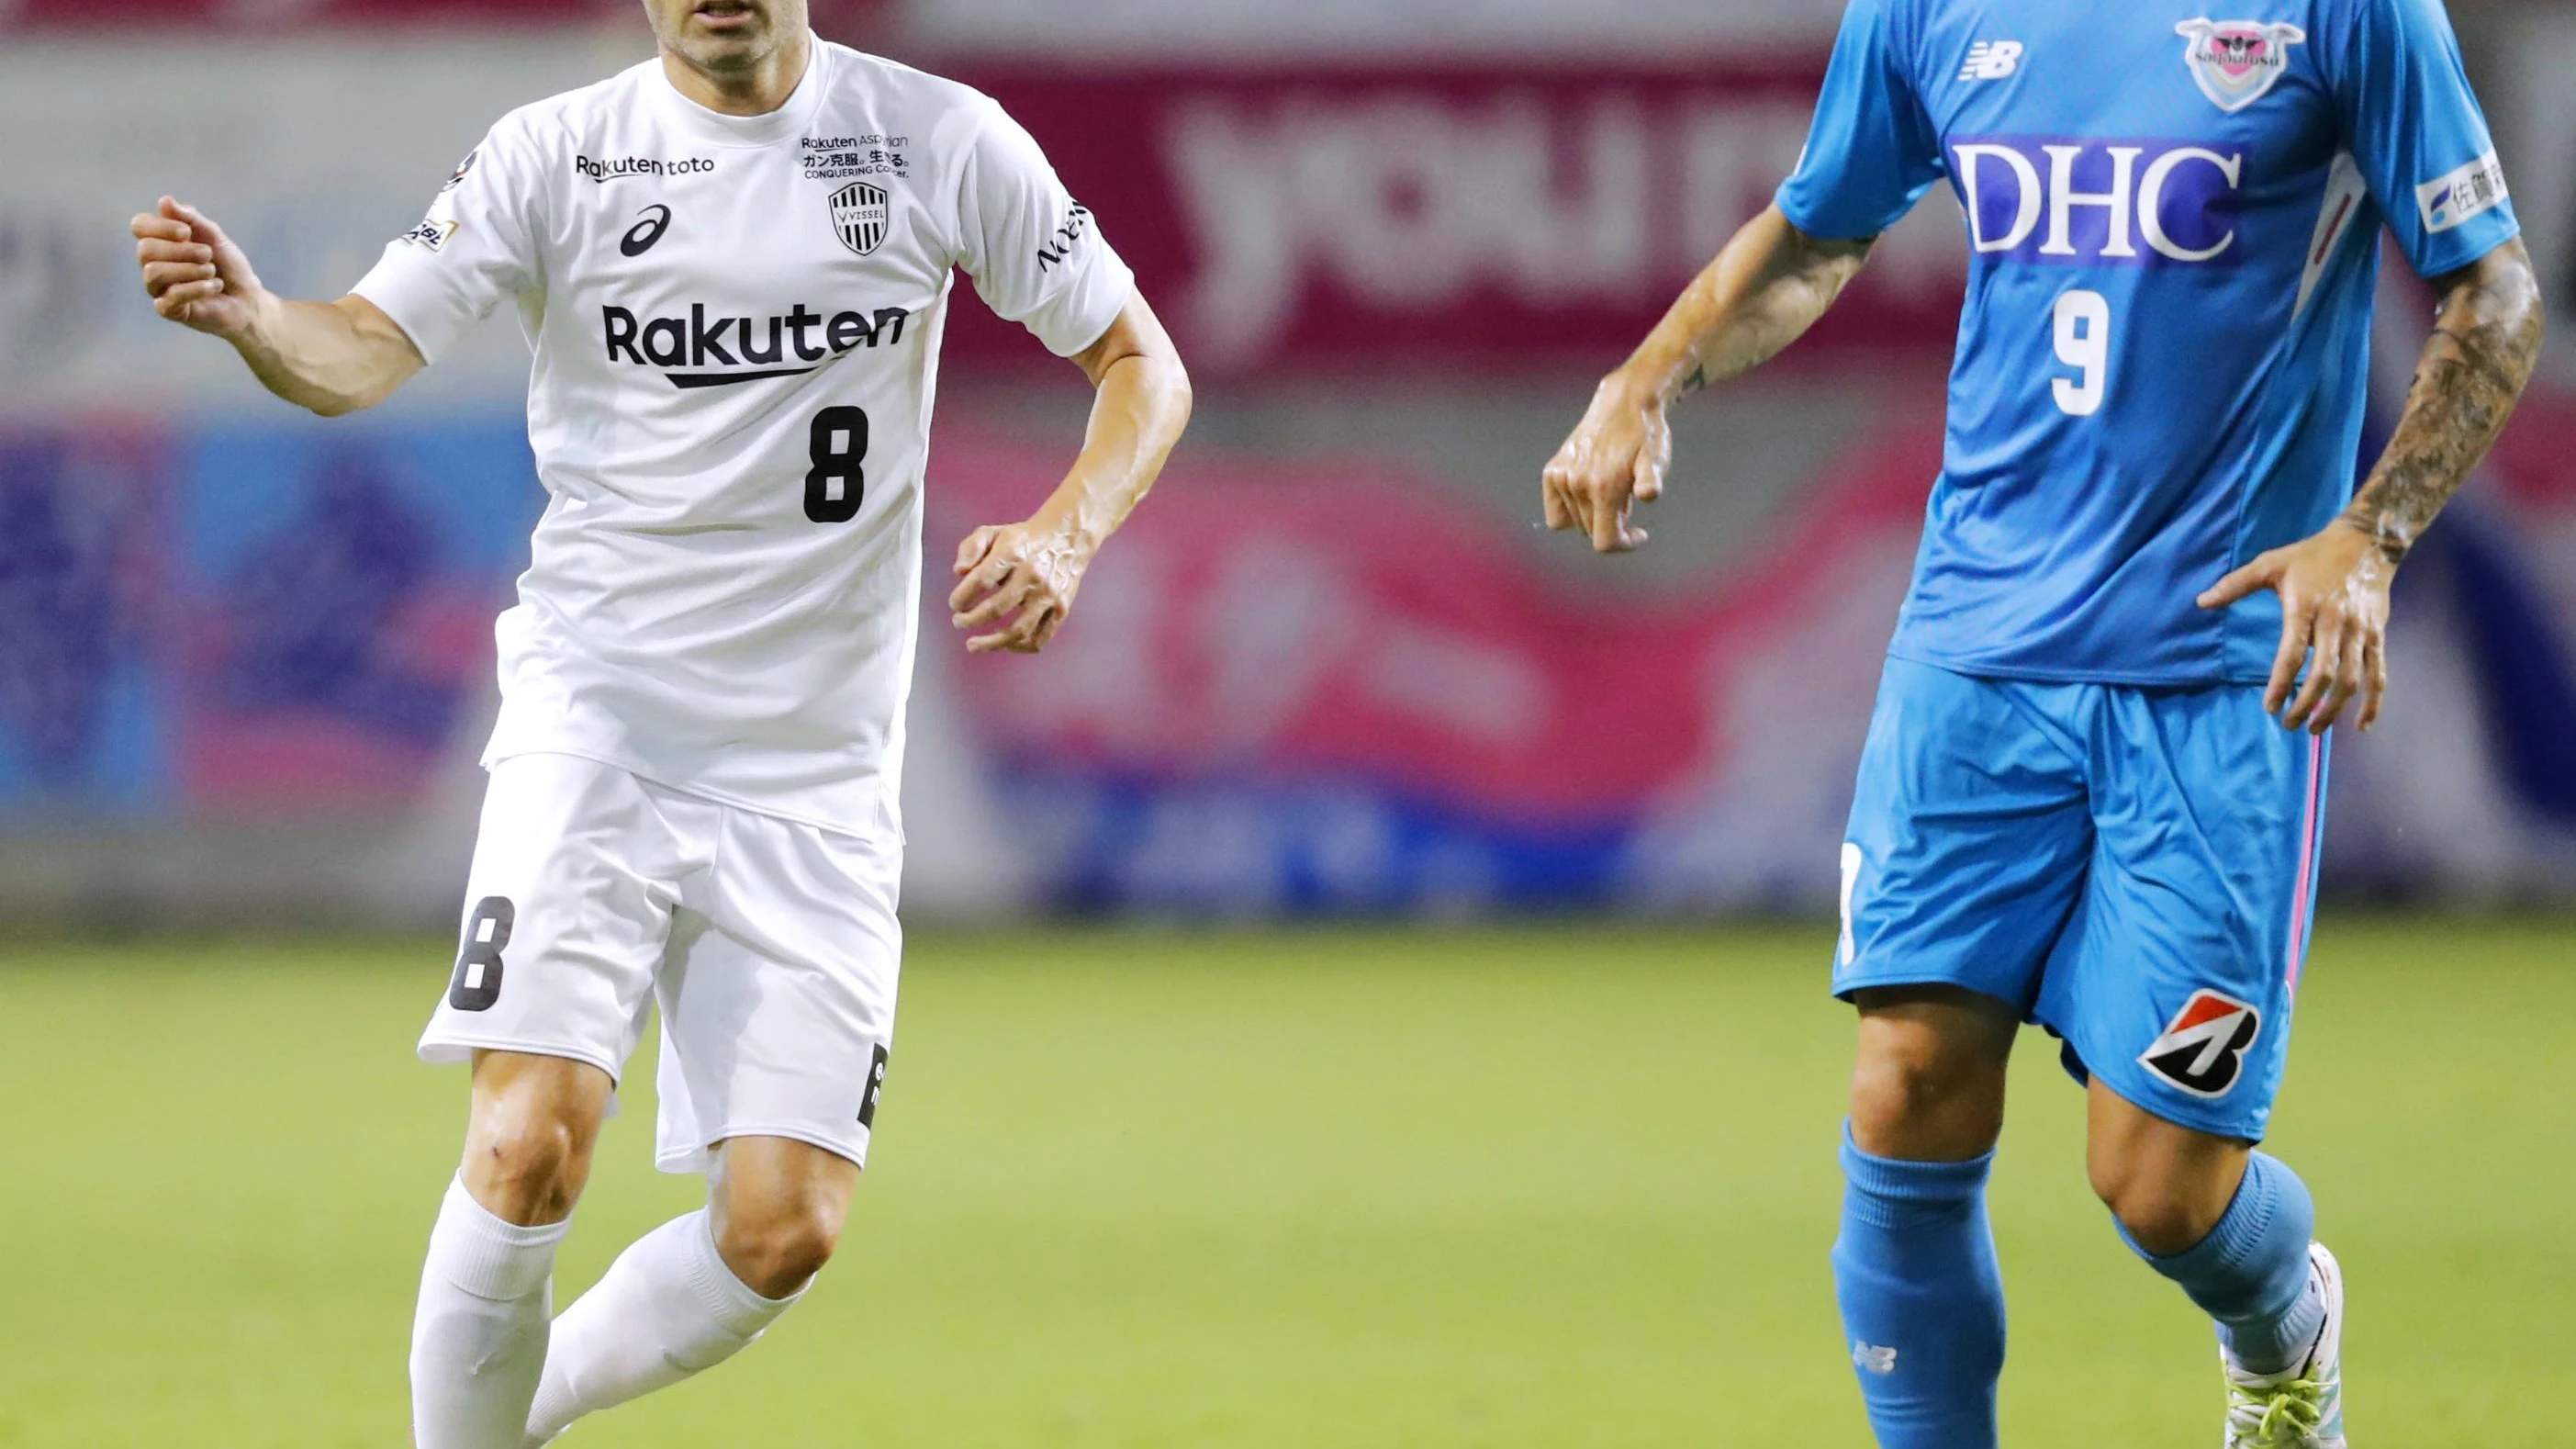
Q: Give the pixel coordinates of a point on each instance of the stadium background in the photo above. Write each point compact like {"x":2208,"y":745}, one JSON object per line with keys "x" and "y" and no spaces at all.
{"x":1494,"y":1118}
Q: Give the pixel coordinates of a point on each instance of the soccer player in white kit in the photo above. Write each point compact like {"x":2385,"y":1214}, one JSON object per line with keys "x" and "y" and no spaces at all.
{"x":732,"y":263}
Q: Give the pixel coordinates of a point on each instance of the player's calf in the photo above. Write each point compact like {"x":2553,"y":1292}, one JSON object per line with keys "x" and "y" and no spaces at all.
{"x":480,"y":1331}
{"x":699,"y":1289}
{"x":1914,"y":1267}
{"x":2231,"y":1226}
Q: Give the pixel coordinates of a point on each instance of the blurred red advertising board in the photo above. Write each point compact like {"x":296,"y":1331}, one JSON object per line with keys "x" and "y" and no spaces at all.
{"x":1482,"y":216}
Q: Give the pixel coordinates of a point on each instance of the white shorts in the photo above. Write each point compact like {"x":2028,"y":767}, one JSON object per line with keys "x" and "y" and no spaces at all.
{"x":770,"y":944}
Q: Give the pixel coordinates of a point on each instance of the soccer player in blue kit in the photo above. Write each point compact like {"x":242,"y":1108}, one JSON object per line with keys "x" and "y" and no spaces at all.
{"x":2146,"y":590}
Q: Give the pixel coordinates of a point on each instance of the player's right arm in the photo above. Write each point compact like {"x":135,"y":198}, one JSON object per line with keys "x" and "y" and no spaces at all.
{"x":329,"y":357}
{"x":1764,"y":290}
{"x":1871,"y":154}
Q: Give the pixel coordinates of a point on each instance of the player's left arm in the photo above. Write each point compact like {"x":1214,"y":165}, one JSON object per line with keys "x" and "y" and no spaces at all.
{"x":1018,"y":580}
{"x":2334,"y":585}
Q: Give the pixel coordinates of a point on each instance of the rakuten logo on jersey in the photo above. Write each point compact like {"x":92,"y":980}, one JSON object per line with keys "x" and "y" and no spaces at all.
{"x":718,"y":351}
{"x":2138,"y":202}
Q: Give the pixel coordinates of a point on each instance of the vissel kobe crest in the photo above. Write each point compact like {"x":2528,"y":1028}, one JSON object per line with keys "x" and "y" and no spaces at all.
{"x":2236,"y":61}
{"x":859,"y":216}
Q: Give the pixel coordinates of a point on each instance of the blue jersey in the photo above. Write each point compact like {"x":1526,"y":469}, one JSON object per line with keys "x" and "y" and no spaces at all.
{"x":2173,"y":222}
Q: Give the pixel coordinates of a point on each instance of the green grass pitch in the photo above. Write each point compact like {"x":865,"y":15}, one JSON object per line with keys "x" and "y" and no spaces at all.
{"x":1548,"y":1187}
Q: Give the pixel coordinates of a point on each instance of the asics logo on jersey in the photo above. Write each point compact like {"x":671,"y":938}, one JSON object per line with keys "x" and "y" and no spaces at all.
{"x":2203,"y":1048}
{"x":2236,"y":61}
{"x":754,"y":345}
{"x":1991,"y":60}
{"x":2142,"y":203}
{"x":639,"y":239}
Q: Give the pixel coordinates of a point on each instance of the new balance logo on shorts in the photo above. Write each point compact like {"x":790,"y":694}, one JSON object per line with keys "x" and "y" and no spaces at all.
{"x":2203,"y":1048}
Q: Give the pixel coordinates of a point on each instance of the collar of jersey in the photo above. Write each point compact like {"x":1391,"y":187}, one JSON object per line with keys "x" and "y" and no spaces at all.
{"x":715,"y":128}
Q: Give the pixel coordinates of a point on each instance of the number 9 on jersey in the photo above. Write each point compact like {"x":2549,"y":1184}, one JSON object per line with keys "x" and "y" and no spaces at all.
{"x":2084,"y":343}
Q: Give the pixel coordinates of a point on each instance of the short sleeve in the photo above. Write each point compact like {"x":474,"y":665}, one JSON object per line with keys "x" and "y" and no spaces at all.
{"x":1035,"y":253}
{"x":1871,"y":152}
{"x":476,"y":247}
{"x":2414,"y":128}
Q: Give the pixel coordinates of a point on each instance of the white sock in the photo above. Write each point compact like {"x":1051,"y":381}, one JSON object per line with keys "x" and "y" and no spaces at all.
{"x":668,"y":1308}
{"x":478,"y":1340}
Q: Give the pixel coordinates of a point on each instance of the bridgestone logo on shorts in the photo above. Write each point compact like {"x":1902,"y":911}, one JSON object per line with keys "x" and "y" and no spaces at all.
{"x":2202,"y":1050}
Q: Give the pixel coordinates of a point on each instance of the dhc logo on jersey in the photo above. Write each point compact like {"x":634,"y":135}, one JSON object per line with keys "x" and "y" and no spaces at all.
{"x":2080,"y":202}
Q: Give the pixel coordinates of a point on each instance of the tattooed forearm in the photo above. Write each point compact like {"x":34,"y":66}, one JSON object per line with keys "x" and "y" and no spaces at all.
{"x":2486,"y":336}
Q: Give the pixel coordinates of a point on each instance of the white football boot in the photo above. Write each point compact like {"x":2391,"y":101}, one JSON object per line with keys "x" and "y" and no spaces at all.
{"x":2300,"y":1407}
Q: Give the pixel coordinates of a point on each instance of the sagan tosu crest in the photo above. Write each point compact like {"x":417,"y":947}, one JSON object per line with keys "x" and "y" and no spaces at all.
{"x":859,"y":216}
{"x":2236,"y":61}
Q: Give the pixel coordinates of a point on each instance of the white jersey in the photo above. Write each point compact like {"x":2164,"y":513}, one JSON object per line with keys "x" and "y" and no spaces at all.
{"x":736,"y":323}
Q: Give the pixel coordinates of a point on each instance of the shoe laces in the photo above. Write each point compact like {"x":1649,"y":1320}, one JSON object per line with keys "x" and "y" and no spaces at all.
{"x":2278,"y":1414}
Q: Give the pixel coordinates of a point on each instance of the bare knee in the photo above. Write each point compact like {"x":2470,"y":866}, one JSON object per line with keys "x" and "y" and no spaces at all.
{"x":778,"y":1249}
{"x":1928,"y":1083}
{"x":2167,"y":1184}
{"x":528,"y":1147}
{"x":777,"y":1208}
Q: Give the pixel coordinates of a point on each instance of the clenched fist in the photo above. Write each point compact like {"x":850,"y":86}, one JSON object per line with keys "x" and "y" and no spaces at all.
{"x":195,"y":275}
{"x":1022,"y":576}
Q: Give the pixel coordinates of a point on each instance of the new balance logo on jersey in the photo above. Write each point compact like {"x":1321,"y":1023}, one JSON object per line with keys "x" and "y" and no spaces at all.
{"x":1873,"y":1358}
{"x":1991,"y":60}
{"x":2236,"y":61}
{"x":698,"y":341}
{"x":2143,"y":203}
{"x":2203,"y":1048}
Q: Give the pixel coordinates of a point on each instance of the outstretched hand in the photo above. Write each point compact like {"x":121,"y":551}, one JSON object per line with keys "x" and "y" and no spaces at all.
{"x":2334,"y":616}
{"x":1019,"y":576}
{"x":1614,"y":459}
{"x":195,"y":275}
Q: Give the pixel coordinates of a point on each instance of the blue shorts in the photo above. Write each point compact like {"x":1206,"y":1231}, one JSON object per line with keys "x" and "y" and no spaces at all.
{"x":2134,"y":869}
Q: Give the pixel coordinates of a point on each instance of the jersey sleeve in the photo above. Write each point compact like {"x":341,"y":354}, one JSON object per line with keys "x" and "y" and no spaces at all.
{"x":476,"y":246}
{"x":1871,"y":152}
{"x":1035,"y":253}
{"x":2414,"y":128}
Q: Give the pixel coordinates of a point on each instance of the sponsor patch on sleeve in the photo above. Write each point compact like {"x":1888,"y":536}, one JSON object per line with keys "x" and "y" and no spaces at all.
{"x":430,"y":235}
{"x":2453,"y":198}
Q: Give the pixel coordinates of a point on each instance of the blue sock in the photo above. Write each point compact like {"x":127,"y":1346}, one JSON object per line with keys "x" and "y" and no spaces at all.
{"x":2251,"y":1272}
{"x":1922,"y":1298}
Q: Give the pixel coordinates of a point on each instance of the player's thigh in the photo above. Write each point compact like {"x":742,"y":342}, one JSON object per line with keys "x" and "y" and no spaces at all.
{"x":778,"y":995}
{"x":2176,"y":986}
{"x":1968,"y":840}
{"x":567,"y":909}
